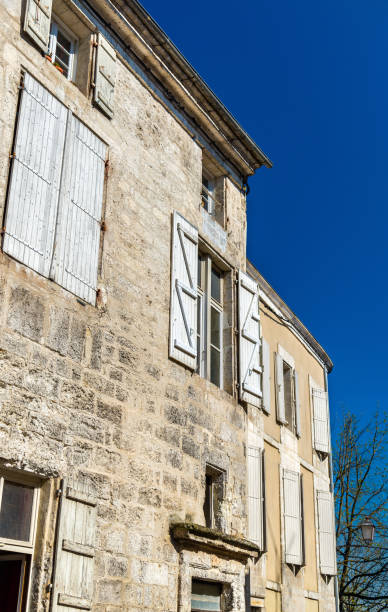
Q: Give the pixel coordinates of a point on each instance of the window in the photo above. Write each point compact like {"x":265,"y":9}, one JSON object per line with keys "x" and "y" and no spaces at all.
{"x":293,"y":518}
{"x":209,"y":323}
{"x":287,"y":393}
{"x":214,"y":495}
{"x":256,"y":496}
{"x":208,"y":196}
{"x":54,"y":208}
{"x":206,"y":596}
{"x":62,"y":50}
{"x":321,"y":421}
{"x":326,"y":530}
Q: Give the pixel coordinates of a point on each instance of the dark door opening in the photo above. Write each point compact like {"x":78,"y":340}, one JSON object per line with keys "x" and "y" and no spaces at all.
{"x":12,"y":582}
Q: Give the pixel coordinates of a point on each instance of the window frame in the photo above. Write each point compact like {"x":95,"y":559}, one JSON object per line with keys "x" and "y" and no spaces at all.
{"x":207,"y":194}
{"x":8,"y":544}
{"x":55,"y":25}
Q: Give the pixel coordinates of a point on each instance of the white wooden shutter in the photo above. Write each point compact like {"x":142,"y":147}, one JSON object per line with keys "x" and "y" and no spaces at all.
{"x":298,"y":430}
{"x":249,"y":340}
{"x":76,"y":251}
{"x":321,"y":420}
{"x":105,"y":77}
{"x":75,"y":550}
{"x":327,"y":548}
{"x":35,"y":177}
{"x":183,"y":308}
{"x":280,"y":407}
{"x":266,"y":365}
{"x":292,"y":518}
{"x":37,"y":21}
{"x":255,"y":496}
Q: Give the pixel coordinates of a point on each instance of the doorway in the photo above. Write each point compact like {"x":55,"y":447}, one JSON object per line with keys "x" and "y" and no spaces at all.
{"x":13,"y":568}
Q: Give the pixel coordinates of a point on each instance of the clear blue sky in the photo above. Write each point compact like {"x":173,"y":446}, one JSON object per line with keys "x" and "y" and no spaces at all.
{"x":309,"y":82}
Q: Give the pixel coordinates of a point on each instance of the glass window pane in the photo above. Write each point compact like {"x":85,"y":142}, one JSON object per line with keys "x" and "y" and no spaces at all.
{"x":63,"y":41}
{"x":215,"y":366}
{"x":199,"y":279}
{"x":216,"y":285}
{"x":16,"y":511}
{"x":205,"y":595}
{"x":215,"y":332}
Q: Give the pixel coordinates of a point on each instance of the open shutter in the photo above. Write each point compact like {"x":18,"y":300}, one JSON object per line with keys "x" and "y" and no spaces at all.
{"x":183,"y":309}
{"x":105,"y":77}
{"x":321,"y":420}
{"x":280,"y":408}
{"x":266,"y":375}
{"x":35,"y":177}
{"x":76,"y":251}
{"x":327,"y":552}
{"x":255,"y":496}
{"x":37,"y":21}
{"x":292,"y":517}
{"x":75,"y":550}
{"x":297,"y":405}
{"x":249,"y":340}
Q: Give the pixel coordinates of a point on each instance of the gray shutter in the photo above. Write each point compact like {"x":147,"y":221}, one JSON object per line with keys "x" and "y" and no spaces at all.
{"x":292,"y":517}
{"x":280,"y":408}
{"x":35,"y":177}
{"x":183,"y":309}
{"x":37,"y":21}
{"x":321,"y":420}
{"x":327,"y":551}
{"x":76,"y":251}
{"x":105,"y":77}
{"x":266,"y":360}
{"x":255,"y":496}
{"x":298,"y":430}
{"x":75,"y":550}
{"x":249,"y":340}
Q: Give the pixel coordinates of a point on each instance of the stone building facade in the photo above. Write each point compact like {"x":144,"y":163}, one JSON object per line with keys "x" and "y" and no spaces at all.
{"x":138,"y":387}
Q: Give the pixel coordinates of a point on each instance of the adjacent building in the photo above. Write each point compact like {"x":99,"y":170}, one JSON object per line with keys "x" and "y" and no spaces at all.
{"x":164,"y":421}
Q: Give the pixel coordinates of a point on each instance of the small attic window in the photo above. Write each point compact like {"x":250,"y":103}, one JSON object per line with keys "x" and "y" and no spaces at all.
{"x":62,"y":49}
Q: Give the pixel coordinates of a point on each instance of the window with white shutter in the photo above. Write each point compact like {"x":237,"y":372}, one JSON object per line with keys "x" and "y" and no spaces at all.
{"x":105,"y":77}
{"x":321,"y":420}
{"x":256,"y":510}
{"x":37,"y":21}
{"x":327,"y":546}
{"x":75,"y":550}
{"x":266,"y":365}
{"x":280,"y":407}
{"x":293,"y":518}
{"x":183,"y":307}
{"x":298,"y":430}
{"x":249,"y":340}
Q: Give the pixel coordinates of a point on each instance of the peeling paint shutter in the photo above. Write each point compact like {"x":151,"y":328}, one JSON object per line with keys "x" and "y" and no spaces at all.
{"x":327,"y":552}
{"x":249,"y":340}
{"x":105,"y":76}
{"x":255,"y":496}
{"x":292,"y":517}
{"x":266,"y":376}
{"x":37,"y":21}
{"x":297,"y":405}
{"x":35,"y":177}
{"x":79,"y":218}
{"x":183,"y":309}
{"x":75,"y":550}
{"x":321,"y":421}
{"x":281,"y":415}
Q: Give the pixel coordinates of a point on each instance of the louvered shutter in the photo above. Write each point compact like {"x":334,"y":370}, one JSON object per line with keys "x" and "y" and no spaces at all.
{"x":105,"y":77}
{"x":266,"y":361}
{"x":297,"y":405}
{"x":183,"y":309}
{"x":321,"y":420}
{"x":75,"y":550}
{"x":249,"y":340}
{"x":280,"y":407}
{"x":255,"y":496}
{"x":327,"y":549}
{"x":37,"y":21}
{"x":76,"y":251}
{"x":35,"y":177}
{"x":292,"y":517}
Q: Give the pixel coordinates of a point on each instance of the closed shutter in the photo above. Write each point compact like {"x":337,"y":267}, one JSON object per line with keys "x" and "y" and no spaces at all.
{"x":75,"y":550}
{"x":297,"y":405}
{"x":255,"y":496}
{"x":266,"y":375}
{"x":321,"y":420}
{"x":280,"y":408}
{"x":183,"y":309}
{"x":37,"y":21}
{"x":35,"y":177}
{"x":79,"y":220}
{"x":292,"y":518}
{"x":249,"y":340}
{"x":105,"y":76}
{"x":327,"y":552}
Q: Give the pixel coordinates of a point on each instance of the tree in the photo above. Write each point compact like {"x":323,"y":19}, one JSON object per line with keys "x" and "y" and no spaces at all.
{"x":361,"y":490}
